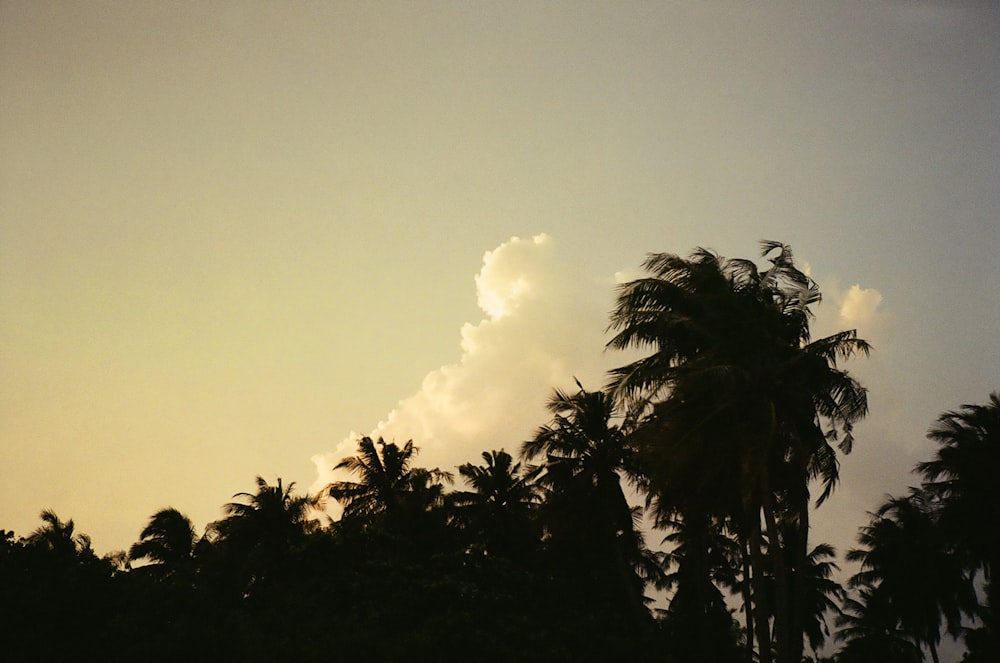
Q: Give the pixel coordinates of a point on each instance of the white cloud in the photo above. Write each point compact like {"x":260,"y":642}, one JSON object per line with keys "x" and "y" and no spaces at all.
{"x":859,"y":308}
{"x":856,"y":308}
{"x":544,"y":326}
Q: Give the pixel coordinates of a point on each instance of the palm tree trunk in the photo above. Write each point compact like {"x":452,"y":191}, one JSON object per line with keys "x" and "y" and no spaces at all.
{"x":797,"y":612}
{"x":632,"y":596}
{"x":627,"y":576}
{"x":745,"y":588}
{"x":757,"y":570}
{"x":781,"y":588}
{"x":934,"y":652}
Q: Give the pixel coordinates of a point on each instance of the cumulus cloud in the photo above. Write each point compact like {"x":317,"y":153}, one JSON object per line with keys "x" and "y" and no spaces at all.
{"x":544,"y":325}
{"x":854,"y":307}
{"x":859,"y":307}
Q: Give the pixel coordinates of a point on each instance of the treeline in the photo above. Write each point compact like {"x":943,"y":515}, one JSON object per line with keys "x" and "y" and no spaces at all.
{"x":726,"y":427}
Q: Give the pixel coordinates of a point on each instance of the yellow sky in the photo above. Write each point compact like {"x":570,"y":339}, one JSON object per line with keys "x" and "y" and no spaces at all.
{"x":231,"y":233}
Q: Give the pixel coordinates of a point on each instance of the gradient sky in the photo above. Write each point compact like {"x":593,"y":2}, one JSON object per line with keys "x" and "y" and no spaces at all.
{"x":232,"y":233}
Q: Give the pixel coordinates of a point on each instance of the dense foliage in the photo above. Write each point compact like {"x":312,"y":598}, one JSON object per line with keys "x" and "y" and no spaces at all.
{"x":720,"y":433}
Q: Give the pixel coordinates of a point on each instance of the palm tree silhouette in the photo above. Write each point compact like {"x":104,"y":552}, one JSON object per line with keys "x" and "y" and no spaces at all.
{"x":388,"y":489}
{"x":871,"y":633}
{"x":586,"y":456}
{"x":702,"y":558}
{"x":912,"y":572}
{"x":59,"y":596}
{"x":168,"y":542}
{"x":501,"y":506}
{"x":962,"y":479}
{"x":737,"y":407}
{"x":823,"y":595}
{"x":260,"y":533}
{"x":60,"y":538}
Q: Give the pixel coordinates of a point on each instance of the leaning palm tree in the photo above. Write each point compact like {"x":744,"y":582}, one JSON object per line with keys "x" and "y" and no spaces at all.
{"x":737,"y":408}
{"x":501,"y":506}
{"x":168,"y":542}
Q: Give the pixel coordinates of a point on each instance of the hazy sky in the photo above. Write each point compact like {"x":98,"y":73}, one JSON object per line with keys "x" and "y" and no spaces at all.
{"x":232,"y":233}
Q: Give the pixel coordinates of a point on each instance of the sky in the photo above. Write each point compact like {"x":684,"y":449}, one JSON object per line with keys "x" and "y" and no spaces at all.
{"x":236,"y":235}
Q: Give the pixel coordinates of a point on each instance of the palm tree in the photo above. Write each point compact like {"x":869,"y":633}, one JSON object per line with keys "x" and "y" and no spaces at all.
{"x":60,"y":538}
{"x":962,"y":478}
{"x":912,"y":571}
{"x":389,"y":488}
{"x":59,"y":597}
{"x":168,"y":542}
{"x":736,"y":406}
{"x":703,"y":558}
{"x":500,"y":507}
{"x":871,"y":634}
{"x":823,"y":595}
{"x":586,"y":456}
{"x":261,"y":531}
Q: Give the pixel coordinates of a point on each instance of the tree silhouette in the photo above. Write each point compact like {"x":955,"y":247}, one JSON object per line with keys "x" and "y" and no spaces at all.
{"x":702,"y":559}
{"x":737,"y":408}
{"x":914,"y":575}
{"x":57,"y":592}
{"x":871,"y":634}
{"x":962,"y":479}
{"x":823,"y":595}
{"x":388,"y":487}
{"x":500,"y":509}
{"x":586,"y":507}
{"x":258,"y":534}
{"x":168,"y":542}
{"x":60,"y":538}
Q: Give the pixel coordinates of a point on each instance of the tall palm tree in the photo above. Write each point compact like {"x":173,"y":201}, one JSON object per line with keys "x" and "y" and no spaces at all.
{"x":738,"y":407}
{"x":500,"y":507}
{"x":586,"y":457}
{"x":168,"y":542}
{"x":912,"y":571}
